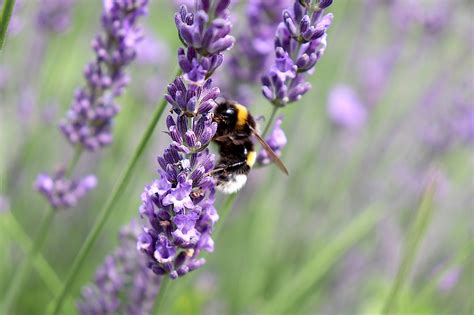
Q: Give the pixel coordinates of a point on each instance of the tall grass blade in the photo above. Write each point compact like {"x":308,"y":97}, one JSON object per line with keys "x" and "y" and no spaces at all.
{"x":7,"y":10}
{"x":415,"y":235}
{"x":322,"y":261}
{"x":44,"y":270}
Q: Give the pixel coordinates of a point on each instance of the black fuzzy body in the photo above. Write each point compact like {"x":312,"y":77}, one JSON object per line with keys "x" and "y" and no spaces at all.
{"x":236,"y":148}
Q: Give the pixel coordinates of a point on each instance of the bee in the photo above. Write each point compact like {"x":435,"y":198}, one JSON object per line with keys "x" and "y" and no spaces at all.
{"x":235,"y":128}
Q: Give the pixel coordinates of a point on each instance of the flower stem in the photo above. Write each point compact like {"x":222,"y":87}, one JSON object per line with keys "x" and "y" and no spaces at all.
{"x":45,"y":271}
{"x":25,"y":267}
{"x":5,"y":20}
{"x":225,"y":209}
{"x":270,"y":121}
{"x":161,"y":295}
{"x":414,"y":238}
{"x":109,"y":205}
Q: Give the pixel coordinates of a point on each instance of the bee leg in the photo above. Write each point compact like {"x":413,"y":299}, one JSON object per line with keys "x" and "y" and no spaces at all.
{"x":222,"y":169}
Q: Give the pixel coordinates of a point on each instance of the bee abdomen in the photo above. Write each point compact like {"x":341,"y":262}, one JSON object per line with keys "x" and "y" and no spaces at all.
{"x":251,"y":157}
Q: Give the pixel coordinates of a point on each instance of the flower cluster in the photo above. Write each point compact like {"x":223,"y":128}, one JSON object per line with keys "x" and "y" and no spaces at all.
{"x":254,"y":46}
{"x":54,"y":15}
{"x":276,"y":140}
{"x":205,"y":35}
{"x":89,"y":120}
{"x":123,"y":283}
{"x":300,"y":42}
{"x":179,"y":206}
{"x":62,"y":192}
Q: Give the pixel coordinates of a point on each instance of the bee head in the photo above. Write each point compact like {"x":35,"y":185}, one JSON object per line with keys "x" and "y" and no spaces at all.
{"x":226,"y":113}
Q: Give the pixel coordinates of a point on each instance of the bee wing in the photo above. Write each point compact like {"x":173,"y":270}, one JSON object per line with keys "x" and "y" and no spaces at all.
{"x":279,"y":163}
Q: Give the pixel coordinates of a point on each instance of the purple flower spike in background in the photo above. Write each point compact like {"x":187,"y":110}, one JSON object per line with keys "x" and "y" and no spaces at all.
{"x":179,"y":206}
{"x":299,"y":43}
{"x":252,"y":54}
{"x":277,"y":141}
{"x":89,"y":120}
{"x":62,"y":192}
{"x":123,"y":283}
{"x":55,"y":15}
{"x":345,"y":109}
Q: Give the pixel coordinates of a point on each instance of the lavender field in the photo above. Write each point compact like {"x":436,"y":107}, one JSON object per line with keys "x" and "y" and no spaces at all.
{"x":128,"y":126}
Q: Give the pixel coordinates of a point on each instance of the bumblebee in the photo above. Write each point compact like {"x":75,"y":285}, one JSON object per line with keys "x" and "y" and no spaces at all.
{"x":235,"y":128}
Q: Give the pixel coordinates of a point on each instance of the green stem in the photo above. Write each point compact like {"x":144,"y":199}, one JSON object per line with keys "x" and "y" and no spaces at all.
{"x":75,"y":159}
{"x":5,"y":21}
{"x":45,"y":226}
{"x":45,"y":271}
{"x":414,"y":238}
{"x":161,"y":295}
{"x":23,"y":270}
{"x":224,"y":212}
{"x":270,"y":121}
{"x":109,"y":205}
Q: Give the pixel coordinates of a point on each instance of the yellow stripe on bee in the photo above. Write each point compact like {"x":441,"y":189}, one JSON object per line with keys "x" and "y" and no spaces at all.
{"x":251,"y":157}
{"x":242,"y":115}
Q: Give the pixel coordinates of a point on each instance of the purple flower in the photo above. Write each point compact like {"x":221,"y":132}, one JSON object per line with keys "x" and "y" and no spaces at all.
{"x":450,"y":279}
{"x":300,"y":41}
{"x":123,"y":283}
{"x":89,"y":120}
{"x":252,"y":52}
{"x":277,"y":141}
{"x":191,"y":100}
{"x":54,"y":15}
{"x":179,"y":206}
{"x":205,"y":34}
{"x":345,"y":109}
{"x":62,"y":192}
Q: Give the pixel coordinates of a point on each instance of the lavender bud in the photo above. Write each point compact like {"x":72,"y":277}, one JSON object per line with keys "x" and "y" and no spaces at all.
{"x":61,"y":192}
{"x":277,"y":141}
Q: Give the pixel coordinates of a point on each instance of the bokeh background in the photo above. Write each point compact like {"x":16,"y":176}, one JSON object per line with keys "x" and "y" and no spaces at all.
{"x":391,"y":110}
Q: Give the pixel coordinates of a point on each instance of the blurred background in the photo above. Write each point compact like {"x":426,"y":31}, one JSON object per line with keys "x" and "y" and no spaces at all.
{"x":391,"y":108}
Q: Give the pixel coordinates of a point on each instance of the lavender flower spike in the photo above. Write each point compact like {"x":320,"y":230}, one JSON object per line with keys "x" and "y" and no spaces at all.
{"x":123,"y":283}
{"x":300,"y":42}
{"x":253,"y":52}
{"x":54,"y":15}
{"x":89,"y":120}
{"x":62,"y":192}
{"x":179,"y":206}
